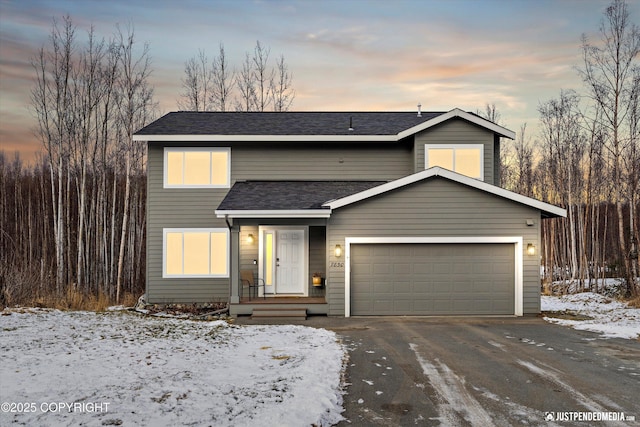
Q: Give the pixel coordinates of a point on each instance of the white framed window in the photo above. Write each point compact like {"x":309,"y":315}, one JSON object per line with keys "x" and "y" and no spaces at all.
{"x":465,"y":159}
{"x":197,"y":167}
{"x":195,"y":252}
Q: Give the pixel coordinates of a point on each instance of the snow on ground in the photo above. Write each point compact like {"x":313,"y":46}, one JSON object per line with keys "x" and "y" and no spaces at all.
{"x":613,"y":319}
{"x":120,"y":368}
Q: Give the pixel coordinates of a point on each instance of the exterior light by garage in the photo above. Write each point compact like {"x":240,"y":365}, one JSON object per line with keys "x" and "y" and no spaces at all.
{"x":250,"y":239}
{"x":531,"y":249}
{"x":338,"y":251}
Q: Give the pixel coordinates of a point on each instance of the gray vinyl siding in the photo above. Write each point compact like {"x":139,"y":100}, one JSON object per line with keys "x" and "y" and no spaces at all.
{"x":328,"y":161}
{"x":458,"y":131}
{"x":317,"y":258}
{"x":249,"y":251}
{"x":178,"y":208}
{"x":435,"y":207}
{"x":497,"y":166}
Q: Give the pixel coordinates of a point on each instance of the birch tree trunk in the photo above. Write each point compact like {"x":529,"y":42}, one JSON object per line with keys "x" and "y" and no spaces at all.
{"x":609,"y":72}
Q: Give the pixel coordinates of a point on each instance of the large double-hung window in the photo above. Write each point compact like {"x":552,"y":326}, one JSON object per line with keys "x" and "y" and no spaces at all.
{"x":197,"y":167}
{"x":465,"y":159}
{"x":196,"y":252}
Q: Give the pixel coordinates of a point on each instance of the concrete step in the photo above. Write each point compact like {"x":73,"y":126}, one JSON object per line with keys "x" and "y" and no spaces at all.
{"x":270,"y":313}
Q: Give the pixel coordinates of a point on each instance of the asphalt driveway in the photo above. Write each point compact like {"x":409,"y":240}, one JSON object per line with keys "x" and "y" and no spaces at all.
{"x":483,"y":371}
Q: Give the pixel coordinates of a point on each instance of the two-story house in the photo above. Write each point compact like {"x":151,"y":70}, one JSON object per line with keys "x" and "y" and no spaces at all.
{"x":400,"y":213}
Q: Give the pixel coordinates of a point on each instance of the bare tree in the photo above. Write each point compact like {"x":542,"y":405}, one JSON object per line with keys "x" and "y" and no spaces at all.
{"x":281,"y":87}
{"x":246,"y":100}
{"x":223,"y":81}
{"x":197,"y":84}
{"x":88,"y":99}
{"x":88,"y":91}
{"x":51,"y":99}
{"x":631,"y":162}
{"x":490,"y":113}
{"x":562,"y":157}
{"x":136,"y":99}
{"x":263,"y":76}
{"x":522,"y":165}
{"x":256,"y":86}
{"x":608,"y":73}
{"x":504,"y":172}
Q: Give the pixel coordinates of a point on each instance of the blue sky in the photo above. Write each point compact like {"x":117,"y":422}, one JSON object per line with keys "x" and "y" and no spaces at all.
{"x":345,"y":55}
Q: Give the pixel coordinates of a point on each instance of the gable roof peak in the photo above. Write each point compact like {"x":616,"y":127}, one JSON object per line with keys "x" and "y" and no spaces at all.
{"x":547,"y":210}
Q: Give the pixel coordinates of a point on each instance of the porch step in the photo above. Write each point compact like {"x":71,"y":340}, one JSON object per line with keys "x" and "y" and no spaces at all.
{"x":270,"y":313}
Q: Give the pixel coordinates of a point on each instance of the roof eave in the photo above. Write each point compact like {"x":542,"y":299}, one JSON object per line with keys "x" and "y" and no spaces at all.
{"x":266,"y":138}
{"x":278,"y":213}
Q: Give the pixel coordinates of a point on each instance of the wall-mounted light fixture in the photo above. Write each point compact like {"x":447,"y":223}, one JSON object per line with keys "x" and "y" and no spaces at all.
{"x":338,"y":251}
{"x":531,"y":249}
{"x":250,"y":239}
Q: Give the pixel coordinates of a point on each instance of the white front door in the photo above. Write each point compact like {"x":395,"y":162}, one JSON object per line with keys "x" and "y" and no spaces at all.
{"x":284,"y":260}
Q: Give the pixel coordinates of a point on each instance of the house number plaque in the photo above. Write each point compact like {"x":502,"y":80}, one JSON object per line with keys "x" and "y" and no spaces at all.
{"x":336,"y":264}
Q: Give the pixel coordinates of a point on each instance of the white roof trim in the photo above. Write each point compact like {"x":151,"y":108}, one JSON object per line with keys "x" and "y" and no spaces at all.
{"x":266,"y":138}
{"x":456,"y":112}
{"x":295,"y":213}
{"x":453,"y":176}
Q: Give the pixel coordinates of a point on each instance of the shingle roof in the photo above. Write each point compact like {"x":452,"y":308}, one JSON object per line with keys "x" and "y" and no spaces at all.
{"x":285,"y":123}
{"x":289,"y":195}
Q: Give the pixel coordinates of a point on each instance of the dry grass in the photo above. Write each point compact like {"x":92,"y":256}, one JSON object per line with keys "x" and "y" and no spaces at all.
{"x":634,"y":302}
{"x":130,"y":300}
{"x":25,"y":287}
{"x":75,"y":300}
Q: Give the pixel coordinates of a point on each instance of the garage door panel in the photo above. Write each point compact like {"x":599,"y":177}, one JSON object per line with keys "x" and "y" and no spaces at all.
{"x":460,"y":287}
{"x":432,"y":279}
{"x":403,"y":288}
{"x":422,"y":268}
{"x":380,"y":268}
{"x":482,"y":268}
{"x":403,"y":269}
{"x":462,"y":268}
{"x":402,"y":305}
{"x":381,"y":251}
{"x":440,"y":267}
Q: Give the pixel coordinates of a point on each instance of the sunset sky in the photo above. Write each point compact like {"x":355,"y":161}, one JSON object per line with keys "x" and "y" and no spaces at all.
{"x":345,"y":55}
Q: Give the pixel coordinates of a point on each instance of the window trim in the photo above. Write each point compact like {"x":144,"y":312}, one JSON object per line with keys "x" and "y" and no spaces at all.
{"x":165,"y":231}
{"x":454,"y":147}
{"x":165,"y":164}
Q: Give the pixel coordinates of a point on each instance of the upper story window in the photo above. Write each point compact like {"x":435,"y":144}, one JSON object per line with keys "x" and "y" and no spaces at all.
{"x":465,"y":159}
{"x":197,"y":167}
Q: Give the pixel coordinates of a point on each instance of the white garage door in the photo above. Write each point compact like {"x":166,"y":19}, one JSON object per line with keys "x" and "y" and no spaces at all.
{"x":432,"y":279}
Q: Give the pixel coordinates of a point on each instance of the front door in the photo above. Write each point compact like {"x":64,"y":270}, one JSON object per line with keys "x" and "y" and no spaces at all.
{"x":283,"y":260}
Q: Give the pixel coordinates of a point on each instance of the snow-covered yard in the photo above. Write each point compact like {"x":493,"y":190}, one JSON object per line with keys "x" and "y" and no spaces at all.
{"x":593,"y":312}
{"x":119,"y":368}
